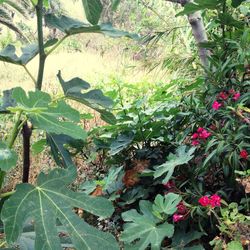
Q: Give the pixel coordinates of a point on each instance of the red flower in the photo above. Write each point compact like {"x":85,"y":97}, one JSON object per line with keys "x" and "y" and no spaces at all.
{"x":243,"y":154}
{"x":204,"y":201}
{"x":204,"y":134}
{"x":216,"y":105}
{"x":195,"y":142}
{"x":195,"y":136}
{"x":181,"y":208}
{"x":199,"y":130}
{"x":215,"y":201}
{"x":236,"y":96}
{"x":178,"y":217}
{"x":223,"y":95}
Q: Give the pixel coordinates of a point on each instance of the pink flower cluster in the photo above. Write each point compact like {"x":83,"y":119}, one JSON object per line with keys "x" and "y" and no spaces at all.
{"x":201,"y":134}
{"x":223,"y":96}
{"x":181,"y":213}
{"x":212,"y":201}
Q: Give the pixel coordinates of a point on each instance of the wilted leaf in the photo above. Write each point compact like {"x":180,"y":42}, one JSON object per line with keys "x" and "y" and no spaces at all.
{"x":95,"y":99}
{"x":7,"y":101}
{"x":50,"y":200}
{"x":8,"y":54}
{"x":72,"y":26}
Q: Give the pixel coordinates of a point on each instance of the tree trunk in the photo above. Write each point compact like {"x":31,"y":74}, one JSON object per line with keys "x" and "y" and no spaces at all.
{"x":198,"y":30}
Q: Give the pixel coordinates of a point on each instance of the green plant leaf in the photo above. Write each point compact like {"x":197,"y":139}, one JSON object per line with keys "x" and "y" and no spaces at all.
{"x":72,"y":26}
{"x":181,"y":238}
{"x":198,"y":5}
{"x":95,"y":99}
{"x":120,"y":143}
{"x":47,"y":116}
{"x":234,"y":245}
{"x":93,"y":10}
{"x":38,"y":146}
{"x":8,"y":157}
{"x":182,"y":156}
{"x":8,"y":54}
{"x":7,"y":101}
{"x":237,"y":3}
{"x":60,"y":154}
{"x":115,"y":4}
{"x":144,"y":227}
{"x":166,"y":204}
{"x":49,"y":200}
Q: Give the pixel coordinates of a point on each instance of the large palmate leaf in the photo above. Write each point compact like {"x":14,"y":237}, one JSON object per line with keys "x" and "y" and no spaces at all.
{"x":8,"y":157}
{"x":166,"y":205}
{"x":144,"y":228}
{"x":182,"y":156}
{"x":72,"y":26}
{"x":50,"y":200}
{"x":8,"y":54}
{"x":93,"y":10}
{"x":46,"y":116}
{"x":95,"y":99}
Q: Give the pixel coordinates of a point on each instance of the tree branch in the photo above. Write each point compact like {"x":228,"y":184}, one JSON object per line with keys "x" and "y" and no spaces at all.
{"x":198,"y":29}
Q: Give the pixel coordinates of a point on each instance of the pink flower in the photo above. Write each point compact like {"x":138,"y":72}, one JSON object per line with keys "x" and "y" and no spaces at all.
{"x":216,"y":105}
{"x":181,"y":208}
{"x":223,"y":95}
{"x":236,"y":96}
{"x":178,"y":217}
{"x":243,"y":154}
{"x":199,"y":130}
{"x":195,"y":142}
{"x":195,"y":136}
{"x":215,"y":201}
{"x":204,"y":134}
{"x":204,"y":201}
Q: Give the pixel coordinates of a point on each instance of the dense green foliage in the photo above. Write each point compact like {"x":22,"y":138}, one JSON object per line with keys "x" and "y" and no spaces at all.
{"x":177,"y":156}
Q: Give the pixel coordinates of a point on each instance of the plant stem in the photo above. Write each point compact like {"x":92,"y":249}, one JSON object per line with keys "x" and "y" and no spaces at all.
{"x":27,"y":132}
{"x":56,"y":45}
{"x":10,"y":143}
{"x":15,"y":131}
{"x":4,"y":195}
{"x":42,"y":55}
{"x":30,"y":75}
{"x":3,"y":244}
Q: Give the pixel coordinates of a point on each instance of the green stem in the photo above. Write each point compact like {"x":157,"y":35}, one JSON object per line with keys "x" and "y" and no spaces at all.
{"x":10,"y":143}
{"x":42,"y":55}
{"x":4,"y":195}
{"x":15,"y":131}
{"x":3,"y":244}
{"x":56,"y":45}
{"x":30,"y":75}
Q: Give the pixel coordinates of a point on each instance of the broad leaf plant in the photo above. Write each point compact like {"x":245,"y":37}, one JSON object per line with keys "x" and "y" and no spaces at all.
{"x":48,"y":205}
